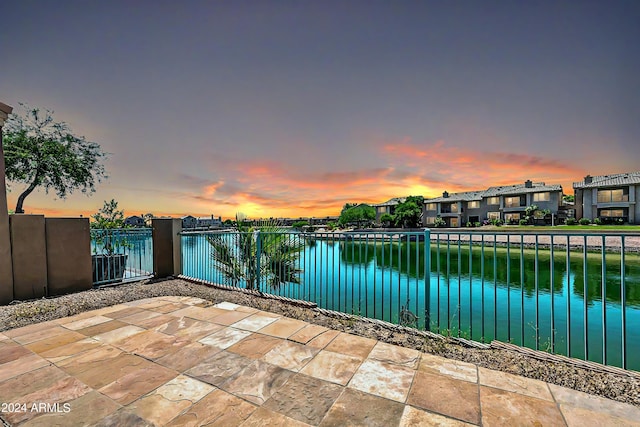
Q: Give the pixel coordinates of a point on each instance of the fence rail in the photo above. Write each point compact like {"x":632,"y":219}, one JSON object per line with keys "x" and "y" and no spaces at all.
{"x":121,"y":255}
{"x":565,"y":293}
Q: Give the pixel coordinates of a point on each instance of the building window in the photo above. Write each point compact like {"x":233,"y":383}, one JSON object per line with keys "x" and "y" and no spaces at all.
{"x":431,"y":206}
{"x":513,"y":202}
{"x":615,"y":195}
{"x":493,"y":215}
{"x":449,"y":208}
{"x":493,"y":200}
{"x":431,"y":220}
{"x":512,"y":217}
{"x":473,"y":205}
{"x":612,"y":213}
{"x":541,"y":197}
{"x":453,"y":222}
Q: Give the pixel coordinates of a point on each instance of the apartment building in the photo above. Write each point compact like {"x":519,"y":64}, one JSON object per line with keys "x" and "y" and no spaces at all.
{"x":388,"y":207}
{"x":609,"y":197}
{"x":507,"y":202}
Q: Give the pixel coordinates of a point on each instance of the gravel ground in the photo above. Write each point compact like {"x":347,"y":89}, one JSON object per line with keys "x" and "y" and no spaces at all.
{"x":623,"y":388}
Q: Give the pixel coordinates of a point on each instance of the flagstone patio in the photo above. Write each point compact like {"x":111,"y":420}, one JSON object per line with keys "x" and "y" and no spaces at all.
{"x":182,"y":361}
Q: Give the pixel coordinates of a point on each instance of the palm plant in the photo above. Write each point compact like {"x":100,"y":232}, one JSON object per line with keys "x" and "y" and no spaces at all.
{"x":265,"y":252}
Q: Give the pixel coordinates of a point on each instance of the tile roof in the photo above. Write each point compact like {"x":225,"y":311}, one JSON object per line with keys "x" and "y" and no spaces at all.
{"x":505,"y":190}
{"x":610,"y":180}
{"x":458,"y":197}
{"x":391,"y":202}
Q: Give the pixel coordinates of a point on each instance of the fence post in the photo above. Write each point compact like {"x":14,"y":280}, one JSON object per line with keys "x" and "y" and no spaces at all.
{"x":427,"y":279}
{"x":258,"y":256}
{"x":167,"y":255}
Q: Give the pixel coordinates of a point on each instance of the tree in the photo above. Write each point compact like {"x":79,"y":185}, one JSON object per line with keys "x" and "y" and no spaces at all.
{"x":236,"y":255}
{"x":570,"y":198}
{"x":40,"y":152}
{"x":104,"y":228}
{"x":409,"y":213}
{"x":386,"y":219}
{"x":357,"y":214}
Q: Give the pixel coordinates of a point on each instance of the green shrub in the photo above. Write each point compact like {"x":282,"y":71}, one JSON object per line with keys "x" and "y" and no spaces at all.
{"x":523,"y":222}
{"x":477,"y":224}
{"x":584,"y":221}
{"x":497,"y":222}
{"x":570,"y":221}
{"x":440,"y":223}
{"x":598,"y":221}
{"x":299,"y":224}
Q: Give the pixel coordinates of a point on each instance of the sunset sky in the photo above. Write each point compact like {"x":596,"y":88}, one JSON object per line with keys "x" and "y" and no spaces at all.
{"x":293,"y":108}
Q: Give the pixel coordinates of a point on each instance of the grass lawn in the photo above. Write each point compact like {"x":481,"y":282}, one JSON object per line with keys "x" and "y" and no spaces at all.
{"x":632,"y":229}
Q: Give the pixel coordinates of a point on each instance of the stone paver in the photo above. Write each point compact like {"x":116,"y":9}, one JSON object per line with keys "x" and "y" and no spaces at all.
{"x":500,"y":408}
{"x":444,"y":395}
{"x":383,"y":379}
{"x":515,"y":383}
{"x":183,"y":361}
{"x":257,"y":382}
{"x":356,"y":408}
{"x":304,"y":398}
{"x":334,"y":367}
{"x":351,"y":345}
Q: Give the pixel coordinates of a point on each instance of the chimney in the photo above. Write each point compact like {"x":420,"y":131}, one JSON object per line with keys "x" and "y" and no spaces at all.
{"x":528,"y":184}
{"x":445,"y":195}
{"x":588,"y":179}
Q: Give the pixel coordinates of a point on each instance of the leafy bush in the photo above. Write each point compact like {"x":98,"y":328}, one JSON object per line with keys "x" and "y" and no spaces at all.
{"x":477,"y":224}
{"x":523,"y":222}
{"x":299,"y":224}
{"x":387,"y":219}
{"x":496,"y":222}
{"x":598,"y":221}
{"x":440,"y":223}
{"x":584,"y":221}
{"x":570,"y":221}
{"x":469,"y":224}
{"x":620,"y":221}
{"x":331,"y":226}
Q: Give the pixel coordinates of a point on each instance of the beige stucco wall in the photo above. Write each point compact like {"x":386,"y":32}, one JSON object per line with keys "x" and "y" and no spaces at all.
{"x":68,"y":255}
{"x":167,"y":259}
{"x":29,"y":253}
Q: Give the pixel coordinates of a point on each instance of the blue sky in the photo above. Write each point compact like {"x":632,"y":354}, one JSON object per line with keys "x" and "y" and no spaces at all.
{"x":293,"y":108}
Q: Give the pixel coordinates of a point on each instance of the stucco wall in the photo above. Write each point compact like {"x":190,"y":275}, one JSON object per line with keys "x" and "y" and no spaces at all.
{"x":29,"y":254}
{"x":68,"y":255}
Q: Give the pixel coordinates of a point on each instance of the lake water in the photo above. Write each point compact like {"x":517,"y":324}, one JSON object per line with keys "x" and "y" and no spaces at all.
{"x":473,"y":293}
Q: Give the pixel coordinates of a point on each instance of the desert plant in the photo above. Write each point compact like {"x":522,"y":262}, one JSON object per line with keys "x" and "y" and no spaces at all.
{"x":258,"y":252}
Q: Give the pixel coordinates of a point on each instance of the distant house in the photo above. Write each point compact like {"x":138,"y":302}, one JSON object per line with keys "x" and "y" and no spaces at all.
{"x":134,"y":221}
{"x":507,"y":203}
{"x":514,"y":199}
{"x":208,"y":222}
{"x":388,"y":207}
{"x":451,"y":208}
{"x":189,"y":221}
{"x":609,"y":197}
